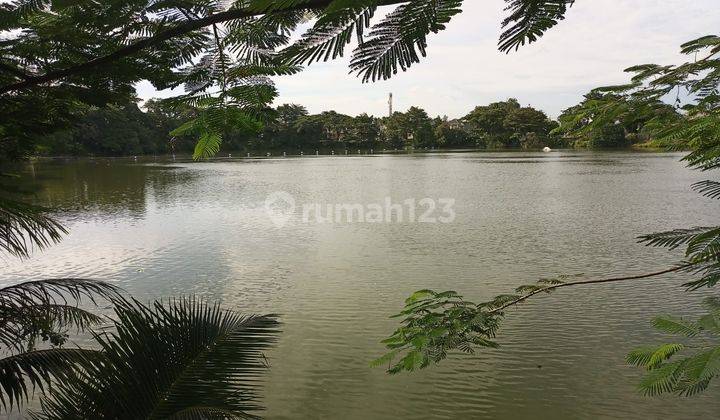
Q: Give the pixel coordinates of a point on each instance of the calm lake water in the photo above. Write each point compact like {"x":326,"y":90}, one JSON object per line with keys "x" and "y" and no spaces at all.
{"x":162,"y":230}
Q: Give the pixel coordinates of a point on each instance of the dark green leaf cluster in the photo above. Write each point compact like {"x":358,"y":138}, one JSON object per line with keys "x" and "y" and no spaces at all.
{"x":691,"y":123}
{"x":179,"y":359}
{"x":668,"y":370}
{"x":609,"y":120}
{"x":43,"y":310}
{"x":702,"y":251}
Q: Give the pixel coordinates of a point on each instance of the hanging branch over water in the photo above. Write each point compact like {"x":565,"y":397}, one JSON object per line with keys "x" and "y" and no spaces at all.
{"x":435,"y":323}
{"x":549,"y":289}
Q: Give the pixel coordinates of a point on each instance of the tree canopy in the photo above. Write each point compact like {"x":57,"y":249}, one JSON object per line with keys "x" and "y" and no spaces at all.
{"x":56,"y":58}
{"x":509,"y":124}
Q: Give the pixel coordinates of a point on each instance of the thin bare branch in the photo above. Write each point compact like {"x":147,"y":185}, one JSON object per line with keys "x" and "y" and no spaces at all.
{"x":592,"y":281}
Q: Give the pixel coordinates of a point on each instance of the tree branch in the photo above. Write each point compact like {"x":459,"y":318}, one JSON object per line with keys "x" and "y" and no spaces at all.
{"x":165,"y":35}
{"x":582,"y":282}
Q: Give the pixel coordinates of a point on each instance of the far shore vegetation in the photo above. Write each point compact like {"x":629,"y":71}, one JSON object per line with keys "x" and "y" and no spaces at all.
{"x":129,"y":130}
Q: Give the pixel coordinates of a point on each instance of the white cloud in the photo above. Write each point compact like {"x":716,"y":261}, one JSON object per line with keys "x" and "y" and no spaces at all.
{"x":590,"y":48}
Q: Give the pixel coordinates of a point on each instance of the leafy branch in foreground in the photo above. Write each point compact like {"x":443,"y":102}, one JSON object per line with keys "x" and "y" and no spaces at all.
{"x":687,"y":375}
{"x":436,"y":323}
{"x":177,"y":359}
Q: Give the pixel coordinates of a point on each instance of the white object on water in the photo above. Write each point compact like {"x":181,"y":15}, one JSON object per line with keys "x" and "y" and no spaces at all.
{"x":317,"y":153}
{"x":284,"y":154}
{"x":547,"y":149}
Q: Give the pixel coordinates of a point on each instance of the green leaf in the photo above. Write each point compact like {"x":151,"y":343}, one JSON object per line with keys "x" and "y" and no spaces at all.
{"x":662,"y":354}
{"x":676,"y":326}
{"x":413,"y":360}
{"x":207,"y":146}
{"x":420,"y":295}
{"x":661,"y":380}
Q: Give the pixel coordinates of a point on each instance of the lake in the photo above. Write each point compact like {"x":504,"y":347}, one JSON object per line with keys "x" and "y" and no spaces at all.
{"x":161,"y":229}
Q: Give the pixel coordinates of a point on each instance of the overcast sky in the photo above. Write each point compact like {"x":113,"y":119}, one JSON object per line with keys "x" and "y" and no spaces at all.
{"x":590,"y":48}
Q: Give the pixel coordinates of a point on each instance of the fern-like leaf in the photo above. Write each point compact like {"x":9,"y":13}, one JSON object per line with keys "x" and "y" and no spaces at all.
{"x":400,"y":39}
{"x":529,"y":20}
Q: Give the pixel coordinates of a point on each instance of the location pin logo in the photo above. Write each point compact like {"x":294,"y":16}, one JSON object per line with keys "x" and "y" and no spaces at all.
{"x":280,"y":207}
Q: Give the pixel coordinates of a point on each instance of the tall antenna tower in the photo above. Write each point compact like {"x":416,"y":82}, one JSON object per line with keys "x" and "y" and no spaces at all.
{"x":390,"y":105}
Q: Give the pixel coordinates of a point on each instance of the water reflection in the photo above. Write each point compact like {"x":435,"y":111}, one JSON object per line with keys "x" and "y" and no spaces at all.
{"x":200,"y":228}
{"x":103,"y":188}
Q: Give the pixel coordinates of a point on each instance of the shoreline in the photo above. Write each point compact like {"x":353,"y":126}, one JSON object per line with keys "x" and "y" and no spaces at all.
{"x":278,"y":153}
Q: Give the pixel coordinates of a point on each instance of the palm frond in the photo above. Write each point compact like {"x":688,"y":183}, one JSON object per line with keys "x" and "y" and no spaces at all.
{"x":708,"y":188}
{"x":42,"y":307}
{"x":179,"y":359}
{"x":20,"y":327}
{"x":687,"y":375}
{"x":700,"y":44}
{"x":51,"y":291}
{"x":705,"y":246}
{"x":21,"y":373}
{"x":699,"y":372}
{"x":709,"y":273}
{"x":24,"y":227}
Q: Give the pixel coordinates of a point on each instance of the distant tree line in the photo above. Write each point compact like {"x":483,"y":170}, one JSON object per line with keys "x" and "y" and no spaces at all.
{"x":128,"y":130}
